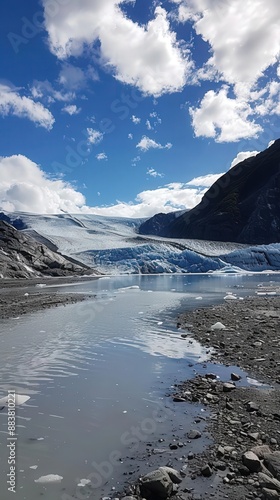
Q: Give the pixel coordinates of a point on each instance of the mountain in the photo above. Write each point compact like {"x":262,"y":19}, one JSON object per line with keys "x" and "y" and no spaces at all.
{"x":242,"y":206}
{"x":156,"y":225}
{"x":21,"y":256}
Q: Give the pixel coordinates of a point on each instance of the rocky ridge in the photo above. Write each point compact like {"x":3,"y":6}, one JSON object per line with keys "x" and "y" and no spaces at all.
{"x":21,"y":256}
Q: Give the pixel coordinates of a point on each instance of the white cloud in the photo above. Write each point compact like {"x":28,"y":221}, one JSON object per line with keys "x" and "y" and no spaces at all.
{"x":243,"y":155}
{"x":135,"y":160}
{"x":154,"y":60}
{"x":75,"y":78}
{"x":101,"y":156}
{"x":146,"y":143}
{"x":153,"y":173}
{"x":94,"y":136}
{"x":148,"y":125}
{"x":135,"y":120}
{"x":25,"y":187}
{"x":45,"y":90}
{"x":243,"y":36}
{"x":223,"y":118}
{"x":204,"y":180}
{"x":71,"y":109}
{"x":130,"y":136}
{"x":12,"y":103}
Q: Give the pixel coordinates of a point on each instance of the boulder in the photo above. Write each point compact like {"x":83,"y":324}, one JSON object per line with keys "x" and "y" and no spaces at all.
{"x":156,"y":484}
{"x":272,"y":463}
{"x":269,"y":482}
{"x":173,"y":474}
{"x":228,"y":387}
{"x":251,"y":461}
{"x":261,"y":451}
{"x":194,"y":434}
{"x":270,"y":494}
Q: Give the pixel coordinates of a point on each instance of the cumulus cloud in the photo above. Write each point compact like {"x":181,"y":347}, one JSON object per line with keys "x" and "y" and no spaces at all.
{"x":171,"y":197}
{"x":71,"y":109}
{"x":25,"y":187}
{"x":101,"y":156}
{"x":12,"y":103}
{"x":154,"y":60}
{"x":204,"y":180}
{"x":146,"y":143}
{"x":243,"y":155}
{"x":244,"y":46}
{"x":130,"y":136}
{"x":223,"y":118}
{"x":94,"y":136}
{"x":243,"y":36}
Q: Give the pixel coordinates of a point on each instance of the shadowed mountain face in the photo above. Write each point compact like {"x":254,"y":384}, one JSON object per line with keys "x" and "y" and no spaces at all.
{"x":242,"y":206}
{"x":23,"y":257}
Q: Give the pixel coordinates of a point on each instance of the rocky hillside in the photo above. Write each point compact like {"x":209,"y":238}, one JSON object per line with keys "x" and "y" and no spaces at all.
{"x":242,"y":206}
{"x":23,"y":257}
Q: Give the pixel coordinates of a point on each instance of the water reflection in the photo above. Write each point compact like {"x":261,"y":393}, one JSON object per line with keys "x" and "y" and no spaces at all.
{"x":94,"y":370}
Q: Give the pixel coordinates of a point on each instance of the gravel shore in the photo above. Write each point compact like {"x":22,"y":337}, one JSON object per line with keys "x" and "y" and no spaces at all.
{"x":15,"y":300}
{"x":242,"y":420}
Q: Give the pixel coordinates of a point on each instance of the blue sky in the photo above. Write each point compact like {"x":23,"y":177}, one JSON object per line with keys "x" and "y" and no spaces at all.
{"x":113,"y":107}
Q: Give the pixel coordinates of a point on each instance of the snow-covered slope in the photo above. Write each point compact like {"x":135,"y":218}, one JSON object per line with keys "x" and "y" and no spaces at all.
{"x":112,"y":245}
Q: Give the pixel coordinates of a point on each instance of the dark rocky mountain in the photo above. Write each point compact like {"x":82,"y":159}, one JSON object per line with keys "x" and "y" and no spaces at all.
{"x":156,"y":225}
{"x":21,"y":256}
{"x":241,"y":206}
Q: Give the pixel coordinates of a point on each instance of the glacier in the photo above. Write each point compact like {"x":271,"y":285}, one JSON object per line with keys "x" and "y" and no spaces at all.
{"x":113,"y":246}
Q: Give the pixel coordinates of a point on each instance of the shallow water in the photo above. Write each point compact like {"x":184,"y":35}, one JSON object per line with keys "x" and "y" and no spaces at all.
{"x":95,"y":372}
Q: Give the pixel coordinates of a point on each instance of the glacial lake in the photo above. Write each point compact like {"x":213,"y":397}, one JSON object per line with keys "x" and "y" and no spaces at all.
{"x":96,"y":372}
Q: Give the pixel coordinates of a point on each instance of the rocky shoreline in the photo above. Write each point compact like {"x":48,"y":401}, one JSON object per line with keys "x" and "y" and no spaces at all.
{"x":243,"y":460}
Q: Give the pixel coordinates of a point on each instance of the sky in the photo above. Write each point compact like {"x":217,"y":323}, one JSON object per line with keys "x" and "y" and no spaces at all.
{"x":130,"y":108}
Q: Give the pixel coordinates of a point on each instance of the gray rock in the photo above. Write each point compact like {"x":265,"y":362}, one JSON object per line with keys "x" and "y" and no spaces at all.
{"x":194,"y":434}
{"x":251,"y":461}
{"x":156,"y":484}
{"x":254,"y":436}
{"x":269,"y":482}
{"x":251,"y":406}
{"x":235,"y":377}
{"x":243,"y":470}
{"x":172,"y":473}
{"x":270,"y":494}
{"x":228,"y":387}
{"x":206,"y":471}
{"x":272,"y":463}
{"x":261,"y":451}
